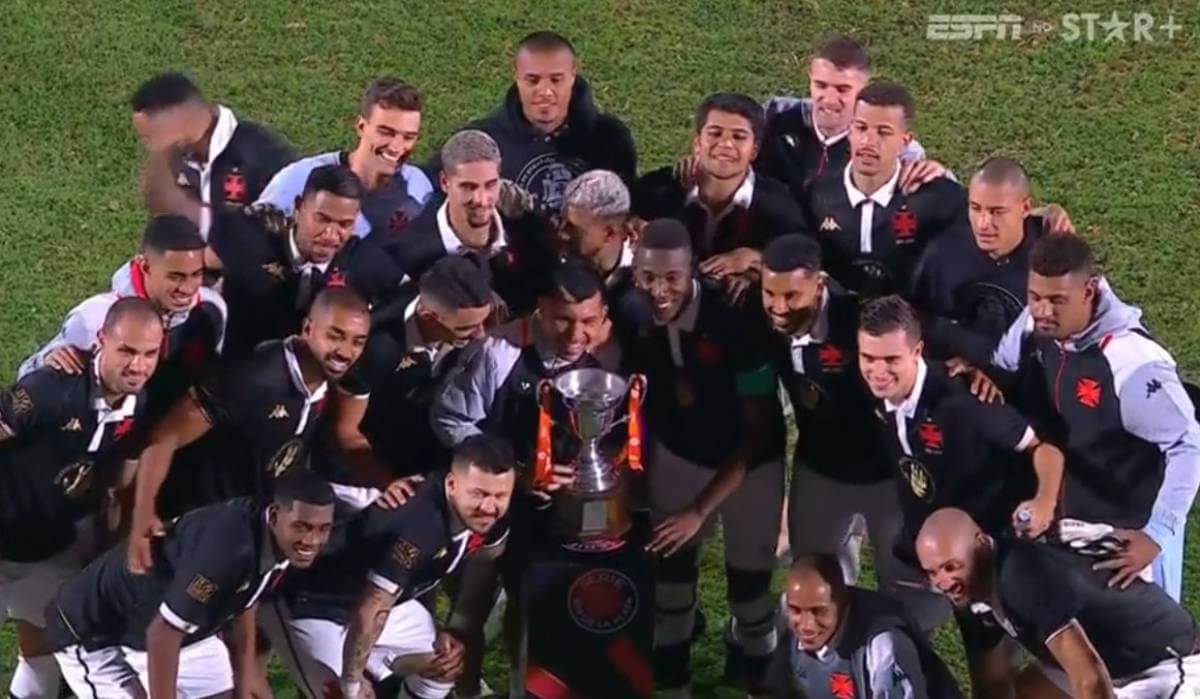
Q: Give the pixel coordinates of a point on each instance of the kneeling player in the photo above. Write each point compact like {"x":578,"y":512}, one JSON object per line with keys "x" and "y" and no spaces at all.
{"x":117,"y":634}
{"x":1092,"y":639}
{"x":357,"y":615}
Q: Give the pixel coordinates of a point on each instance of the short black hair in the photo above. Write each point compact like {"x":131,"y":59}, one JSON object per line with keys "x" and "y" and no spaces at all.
{"x":335,"y":179}
{"x":1062,"y":253}
{"x":134,"y":307}
{"x":171,"y":232}
{"x":339,"y":298}
{"x":544,"y":41}
{"x":732,"y":103}
{"x":163,"y":91}
{"x":666,"y":234}
{"x":845,"y":53}
{"x":888,"y":314}
{"x":487,"y":452}
{"x":390,"y":93}
{"x":302,"y":485}
{"x":456,"y":282}
{"x":791,"y":252}
{"x":571,"y":280}
{"x":881,"y":94}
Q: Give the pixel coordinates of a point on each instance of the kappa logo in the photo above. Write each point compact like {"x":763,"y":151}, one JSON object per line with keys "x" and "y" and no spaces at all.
{"x":1088,"y":391}
{"x":1153,"y":386}
{"x":201,"y":589}
{"x":526,"y":385}
{"x":602,"y":601}
{"x":830,"y":225}
{"x":72,"y":425}
{"x":280,"y":412}
{"x":408,"y":362}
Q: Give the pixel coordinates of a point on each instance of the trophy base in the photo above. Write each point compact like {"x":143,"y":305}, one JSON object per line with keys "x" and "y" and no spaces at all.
{"x":597,"y":516}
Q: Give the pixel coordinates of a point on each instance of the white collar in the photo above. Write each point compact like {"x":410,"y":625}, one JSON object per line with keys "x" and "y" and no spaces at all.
{"x":412,"y":329}
{"x":222,"y":134}
{"x":293,"y":365}
{"x":453,"y":244}
{"x":882,"y":196}
{"x":741,"y":197}
{"x":819,"y":330}
{"x":104,"y":412}
{"x":626,"y":255}
{"x":826,"y":140}
{"x":686,"y":320}
{"x":909,"y":407}
{"x":298,"y":261}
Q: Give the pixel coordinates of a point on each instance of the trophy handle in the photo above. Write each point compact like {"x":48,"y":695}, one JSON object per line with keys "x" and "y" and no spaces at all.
{"x":543,"y":460}
{"x":637,"y":391}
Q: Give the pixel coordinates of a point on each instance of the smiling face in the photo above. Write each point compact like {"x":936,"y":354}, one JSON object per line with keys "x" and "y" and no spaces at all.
{"x":472,"y":190}
{"x":478,"y":497}
{"x":791,"y":299}
{"x":301,"y":530}
{"x":172,"y":277}
{"x":952,"y":565}
{"x":666,"y":277}
{"x":573,"y":327}
{"x":813,"y":609}
{"x":725,"y":145}
{"x":889,"y":363}
{"x":336,"y":337}
{"x":833,"y":91}
{"x":129,"y":354}
{"x":389,"y":136}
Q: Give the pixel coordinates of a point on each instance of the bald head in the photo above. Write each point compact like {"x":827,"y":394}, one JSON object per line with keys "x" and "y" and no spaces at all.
{"x":1003,"y":172}
{"x":818,"y":574}
{"x":949,"y":546}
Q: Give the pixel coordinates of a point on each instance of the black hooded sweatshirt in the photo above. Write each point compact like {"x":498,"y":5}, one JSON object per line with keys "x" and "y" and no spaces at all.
{"x":544,"y":164}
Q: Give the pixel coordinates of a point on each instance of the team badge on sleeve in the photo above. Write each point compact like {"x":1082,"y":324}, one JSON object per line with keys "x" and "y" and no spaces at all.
{"x":201,"y":589}
{"x":406,"y":553}
{"x":21,"y":401}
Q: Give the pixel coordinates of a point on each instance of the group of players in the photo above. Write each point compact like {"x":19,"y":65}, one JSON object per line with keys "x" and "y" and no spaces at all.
{"x":311,"y":396}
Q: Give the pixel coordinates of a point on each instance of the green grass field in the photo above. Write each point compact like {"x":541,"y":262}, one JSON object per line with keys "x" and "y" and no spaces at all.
{"x":1108,"y":129}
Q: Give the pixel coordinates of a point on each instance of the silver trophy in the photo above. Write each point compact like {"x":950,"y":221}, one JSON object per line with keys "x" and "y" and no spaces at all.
{"x":592,"y":506}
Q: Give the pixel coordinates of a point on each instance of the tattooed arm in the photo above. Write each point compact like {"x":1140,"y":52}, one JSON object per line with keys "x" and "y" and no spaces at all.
{"x":365,"y":627}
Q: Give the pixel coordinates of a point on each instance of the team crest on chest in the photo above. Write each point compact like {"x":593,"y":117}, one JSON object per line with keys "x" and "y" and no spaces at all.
{"x":904,"y":225}
{"x":1088,"y":391}
{"x":919,"y":480}
{"x":832,"y":358}
{"x":235,"y":187}
{"x":841,"y":686}
{"x":931,"y":436}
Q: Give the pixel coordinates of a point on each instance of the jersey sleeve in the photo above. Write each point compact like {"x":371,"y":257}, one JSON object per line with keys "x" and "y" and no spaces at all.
{"x":1036,"y":594}
{"x":895,"y":667}
{"x":205,"y":578}
{"x":1000,"y":425}
{"x":29,"y":403}
{"x":409,"y":551}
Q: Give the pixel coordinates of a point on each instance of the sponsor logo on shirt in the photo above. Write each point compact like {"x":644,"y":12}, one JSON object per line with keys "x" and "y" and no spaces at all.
{"x":285,"y":458}
{"x":201,"y":589}
{"x":602,"y":601}
{"x":72,"y":425}
{"x":75,"y":480}
{"x":279,"y":412}
{"x":830,"y":225}
{"x":919,"y":480}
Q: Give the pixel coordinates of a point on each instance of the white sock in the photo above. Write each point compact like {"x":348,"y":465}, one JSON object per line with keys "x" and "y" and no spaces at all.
{"x":36,"y":677}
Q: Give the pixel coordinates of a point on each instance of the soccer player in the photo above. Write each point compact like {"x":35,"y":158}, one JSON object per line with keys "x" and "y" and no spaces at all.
{"x":717,"y":451}
{"x":64,"y":442}
{"x":595,"y":225}
{"x":972,"y":289}
{"x":949,"y":449}
{"x":119,"y":634}
{"x":414,"y":344}
{"x":871,"y":230}
{"x":1120,"y":411}
{"x":388,"y":127}
{"x":267,"y":408}
{"x":271,"y":276}
{"x":356,"y":617}
{"x":841,"y":489}
{"x":201,"y":158}
{"x":468,"y":222}
{"x":1090,"y":638}
{"x":731,"y":211}
{"x":845,"y":642}
{"x":549,"y":128}
{"x":807,"y":137}
{"x":167,"y":272}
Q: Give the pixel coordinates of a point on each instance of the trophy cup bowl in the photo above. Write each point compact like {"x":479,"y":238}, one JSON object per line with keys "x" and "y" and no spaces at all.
{"x":592,"y":506}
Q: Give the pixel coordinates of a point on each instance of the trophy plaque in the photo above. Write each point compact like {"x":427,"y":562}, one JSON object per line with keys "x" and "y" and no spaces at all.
{"x":594,"y":505}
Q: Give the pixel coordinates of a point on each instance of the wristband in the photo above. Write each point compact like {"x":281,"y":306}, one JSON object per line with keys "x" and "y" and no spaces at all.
{"x":350,"y":688}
